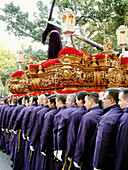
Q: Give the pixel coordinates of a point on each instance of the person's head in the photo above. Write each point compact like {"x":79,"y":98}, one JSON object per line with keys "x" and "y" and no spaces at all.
{"x":10,"y":101}
{"x":40,"y":99}
{"x":71,"y":100}
{"x":25,"y":100}
{"x":60,"y":100}
{"x":80,"y":96}
{"x":33,"y":100}
{"x":45,"y":99}
{"x":110,"y":97}
{"x":6,"y":101}
{"x":1,"y":101}
{"x":101,"y":95}
{"x":91,"y":99}
{"x":14,"y":101}
{"x":123,"y":98}
{"x":52,"y":100}
{"x":19,"y":100}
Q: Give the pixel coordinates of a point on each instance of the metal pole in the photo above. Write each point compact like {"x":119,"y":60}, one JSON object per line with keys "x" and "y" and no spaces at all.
{"x":51,"y":11}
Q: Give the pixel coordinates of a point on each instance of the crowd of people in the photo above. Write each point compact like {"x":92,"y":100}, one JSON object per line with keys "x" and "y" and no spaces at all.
{"x":86,"y":131}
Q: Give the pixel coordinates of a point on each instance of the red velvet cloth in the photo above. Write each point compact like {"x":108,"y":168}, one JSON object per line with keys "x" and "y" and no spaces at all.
{"x":49,"y":62}
{"x":34,"y":66}
{"x":124,"y":60}
{"x":58,"y":91}
{"x":18,"y":73}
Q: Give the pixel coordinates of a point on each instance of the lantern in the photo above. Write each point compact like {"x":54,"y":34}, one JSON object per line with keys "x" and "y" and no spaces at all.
{"x":122,"y":35}
{"x":68,"y":23}
{"x":19,"y":58}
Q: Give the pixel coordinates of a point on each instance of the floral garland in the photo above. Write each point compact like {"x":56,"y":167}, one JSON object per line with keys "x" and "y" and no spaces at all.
{"x":34,"y":66}
{"x":69,"y":51}
{"x":50,"y":62}
{"x":124,"y":60}
{"x":18,"y":73}
{"x":100,"y":56}
{"x":72,"y":50}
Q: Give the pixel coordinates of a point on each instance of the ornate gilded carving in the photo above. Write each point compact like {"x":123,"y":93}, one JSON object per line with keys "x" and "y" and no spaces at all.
{"x":73,"y":72}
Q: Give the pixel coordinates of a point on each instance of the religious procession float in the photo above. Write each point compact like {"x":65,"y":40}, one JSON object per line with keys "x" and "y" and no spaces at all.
{"x":72,"y":71}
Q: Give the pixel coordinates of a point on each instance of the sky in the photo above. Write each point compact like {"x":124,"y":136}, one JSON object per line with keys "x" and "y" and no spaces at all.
{"x":10,"y":41}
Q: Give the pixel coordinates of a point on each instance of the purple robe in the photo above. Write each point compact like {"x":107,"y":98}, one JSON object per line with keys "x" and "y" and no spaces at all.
{"x":63,"y":130}
{"x":38,"y":125}
{"x":25,"y":123}
{"x":122,"y":142}
{"x":63,"y":127}
{"x":73,"y":130}
{"x":13,"y":139}
{"x":2,"y":137}
{"x":34,"y":137}
{"x":55,"y":44}
{"x":46,"y":142}
{"x":86,"y":138}
{"x":105,"y":147}
{"x":19,"y":119}
{"x":57,"y":163}
{"x":14,"y":115}
{"x":5,"y":125}
{"x":33,"y":119}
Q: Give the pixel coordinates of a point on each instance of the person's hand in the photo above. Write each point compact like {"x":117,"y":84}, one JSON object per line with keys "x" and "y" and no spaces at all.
{"x":43,"y":153}
{"x":59,"y":155}
{"x":76,"y":165}
{"x":55,"y":153}
{"x":96,"y":169}
{"x":28,"y":138}
{"x":15,"y":132}
{"x":31,"y":148}
{"x":24,"y":136}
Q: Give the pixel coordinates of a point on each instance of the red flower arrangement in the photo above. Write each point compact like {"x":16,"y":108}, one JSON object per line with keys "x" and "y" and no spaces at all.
{"x":34,"y":66}
{"x":124,"y":60}
{"x":49,"y":62}
{"x":18,"y":73}
{"x":99,"y":56}
{"x":69,"y":51}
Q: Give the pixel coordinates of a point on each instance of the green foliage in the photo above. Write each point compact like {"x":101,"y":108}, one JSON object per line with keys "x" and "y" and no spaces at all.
{"x":8,"y":65}
{"x":101,"y":18}
{"x":36,"y":55}
{"x":19,"y":23}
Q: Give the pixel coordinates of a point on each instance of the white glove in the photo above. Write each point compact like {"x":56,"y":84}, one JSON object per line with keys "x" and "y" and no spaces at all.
{"x":43,"y":153}
{"x":59,"y":155}
{"x":15,"y":132}
{"x":76,"y":165}
{"x":2,"y":129}
{"x":31,"y":148}
{"x":55,"y":153}
{"x":69,"y":159}
{"x":7,"y":130}
{"x":24,"y":136}
{"x":28,"y":138}
{"x":96,"y":169}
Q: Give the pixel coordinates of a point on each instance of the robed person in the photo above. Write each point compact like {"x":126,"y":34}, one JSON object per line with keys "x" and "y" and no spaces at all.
{"x":85,"y":144}
{"x":73,"y":127}
{"x":55,"y":44}
{"x":105,"y":147}
{"x":61,"y":106}
{"x":45,"y":161}
{"x":63,"y":127}
{"x":35,"y":133}
{"x":122,"y":137}
{"x":25,"y":122}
